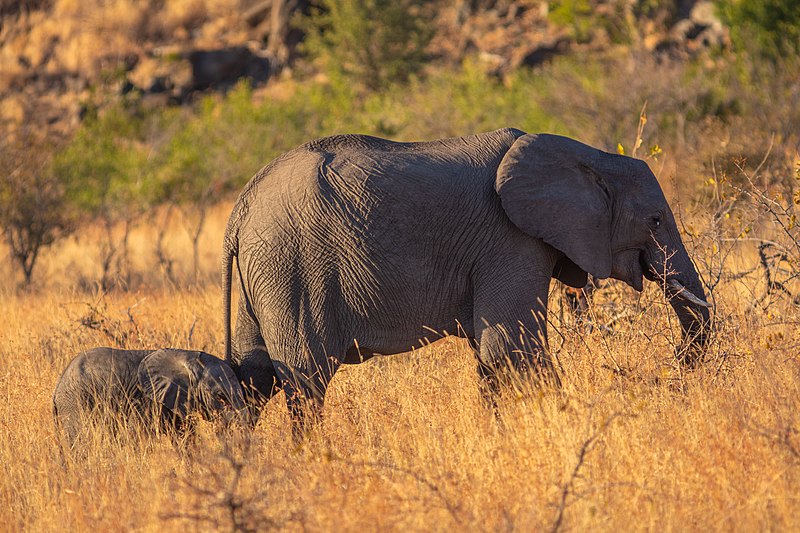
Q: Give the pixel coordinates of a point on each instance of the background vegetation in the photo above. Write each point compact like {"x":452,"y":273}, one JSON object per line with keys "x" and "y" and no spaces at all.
{"x":381,"y":68}
{"x":113,"y":223}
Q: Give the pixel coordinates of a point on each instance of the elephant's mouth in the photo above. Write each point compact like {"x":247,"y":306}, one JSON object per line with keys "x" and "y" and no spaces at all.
{"x":672,"y":285}
{"x":648,"y":271}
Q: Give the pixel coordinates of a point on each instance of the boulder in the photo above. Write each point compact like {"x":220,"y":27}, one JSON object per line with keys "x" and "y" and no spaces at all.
{"x":222,"y":68}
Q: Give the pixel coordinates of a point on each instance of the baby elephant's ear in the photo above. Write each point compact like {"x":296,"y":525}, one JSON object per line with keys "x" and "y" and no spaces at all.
{"x":166,"y":377}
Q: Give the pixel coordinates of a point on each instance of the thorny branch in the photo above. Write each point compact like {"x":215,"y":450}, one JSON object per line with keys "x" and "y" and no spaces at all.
{"x":454,"y":509}
{"x":119,"y":333}
{"x":568,"y":487}
{"x":220,"y":491}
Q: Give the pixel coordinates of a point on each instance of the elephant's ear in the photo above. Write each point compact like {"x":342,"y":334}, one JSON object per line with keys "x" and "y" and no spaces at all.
{"x":218,"y":376}
{"x":166,"y":377}
{"x":550,"y":189}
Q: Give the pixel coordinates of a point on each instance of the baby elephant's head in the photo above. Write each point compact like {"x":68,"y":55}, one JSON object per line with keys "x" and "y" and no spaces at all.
{"x":185,"y":381}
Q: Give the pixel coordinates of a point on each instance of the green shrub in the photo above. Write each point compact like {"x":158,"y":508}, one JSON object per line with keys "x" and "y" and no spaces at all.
{"x":222,"y":142}
{"x":105,"y":167}
{"x":576,"y":15}
{"x":372,"y":42}
{"x":767,"y":28}
{"x":616,"y":19}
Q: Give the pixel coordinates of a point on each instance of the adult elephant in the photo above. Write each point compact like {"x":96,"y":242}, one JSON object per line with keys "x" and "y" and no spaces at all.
{"x":352,"y":246}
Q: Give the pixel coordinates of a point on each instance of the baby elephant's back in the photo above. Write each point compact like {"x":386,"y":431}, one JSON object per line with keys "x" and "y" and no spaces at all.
{"x":97,"y":377}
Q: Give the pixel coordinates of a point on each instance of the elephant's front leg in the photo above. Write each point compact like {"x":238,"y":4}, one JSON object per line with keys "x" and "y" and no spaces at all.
{"x":511,"y":335}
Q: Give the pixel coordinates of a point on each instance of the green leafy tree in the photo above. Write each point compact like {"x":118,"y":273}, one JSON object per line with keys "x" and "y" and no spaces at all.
{"x":373,"y":42}
{"x":211,"y":150}
{"x":104,"y":170}
{"x":189,"y":179}
{"x":217,"y":146}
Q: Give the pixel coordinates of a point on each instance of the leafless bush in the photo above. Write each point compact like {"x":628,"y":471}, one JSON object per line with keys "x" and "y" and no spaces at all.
{"x":223,"y":500}
{"x":761,"y":214}
{"x":568,"y":491}
{"x":120,"y":333}
{"x":33,"y":208}
{"x":164,"y":259}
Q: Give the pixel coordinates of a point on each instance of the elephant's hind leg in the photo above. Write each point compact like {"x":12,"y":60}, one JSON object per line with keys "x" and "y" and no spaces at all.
{"x":251,"y":360}
{"x":304,"y":384}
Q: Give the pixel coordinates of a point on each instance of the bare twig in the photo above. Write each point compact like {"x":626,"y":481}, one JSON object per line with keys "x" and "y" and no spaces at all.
{"x":222,"y":503}
{"x":568,"y":487}
{"x":452,"y":507}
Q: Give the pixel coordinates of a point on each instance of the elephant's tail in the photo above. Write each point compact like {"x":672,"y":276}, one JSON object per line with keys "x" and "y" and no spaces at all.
{"x":227,"y":267}
{"x":230,"y":251}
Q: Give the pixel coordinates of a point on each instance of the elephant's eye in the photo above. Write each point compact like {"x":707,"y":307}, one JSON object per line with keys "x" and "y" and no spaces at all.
{"x":655,"y":221}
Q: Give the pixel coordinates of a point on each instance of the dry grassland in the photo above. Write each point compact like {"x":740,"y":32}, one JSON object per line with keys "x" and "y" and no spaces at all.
{"x":631,"y":442}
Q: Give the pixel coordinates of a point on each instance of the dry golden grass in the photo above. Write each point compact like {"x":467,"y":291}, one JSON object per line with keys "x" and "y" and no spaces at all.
{"x":630,"y":442}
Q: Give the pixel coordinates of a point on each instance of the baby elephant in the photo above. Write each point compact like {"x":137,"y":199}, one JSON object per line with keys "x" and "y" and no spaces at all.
{"x":157,"y":388}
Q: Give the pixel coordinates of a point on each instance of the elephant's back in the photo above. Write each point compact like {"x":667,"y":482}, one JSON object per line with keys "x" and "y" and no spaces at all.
{"x":488,"y":142}
{"x":97,"y":377}
{"x":360,"y":169}
{"x":355,"y":158}
{"x":97,"y":373}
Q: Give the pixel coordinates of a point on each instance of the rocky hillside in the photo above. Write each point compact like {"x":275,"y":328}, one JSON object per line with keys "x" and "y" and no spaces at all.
{"x":59,"y":57}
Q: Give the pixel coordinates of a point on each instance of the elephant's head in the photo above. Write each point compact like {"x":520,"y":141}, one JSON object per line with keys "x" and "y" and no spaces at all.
{"x":607,"y":214}
{"x":183,"y":381}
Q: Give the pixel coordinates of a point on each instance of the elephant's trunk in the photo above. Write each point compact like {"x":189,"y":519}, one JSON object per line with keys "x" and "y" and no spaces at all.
{"x":681,"y":285}
{"x":696,"y":326}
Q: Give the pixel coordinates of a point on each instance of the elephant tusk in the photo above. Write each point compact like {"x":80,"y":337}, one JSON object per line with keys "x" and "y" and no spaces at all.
{"x":686,"y":294}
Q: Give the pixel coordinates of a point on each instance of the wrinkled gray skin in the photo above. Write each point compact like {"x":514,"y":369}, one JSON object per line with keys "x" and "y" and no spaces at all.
{"x":353,"y":246}
{"x":158,"y":388}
